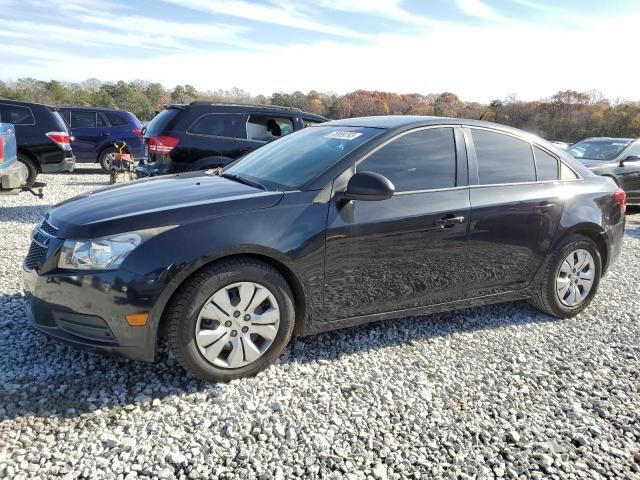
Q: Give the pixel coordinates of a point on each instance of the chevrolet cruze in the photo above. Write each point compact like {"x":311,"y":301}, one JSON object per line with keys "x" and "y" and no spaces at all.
{"x":339,"y":224}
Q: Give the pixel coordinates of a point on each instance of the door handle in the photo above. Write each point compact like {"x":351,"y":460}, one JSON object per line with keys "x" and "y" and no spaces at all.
{"x":546,"y":205}
{"x":449,"y":221}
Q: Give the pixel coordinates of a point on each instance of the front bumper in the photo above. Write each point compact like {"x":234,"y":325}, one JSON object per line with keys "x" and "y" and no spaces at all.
{"x":66,"y":165}
{"x":13,"y":176}
{"x":88,"y":311}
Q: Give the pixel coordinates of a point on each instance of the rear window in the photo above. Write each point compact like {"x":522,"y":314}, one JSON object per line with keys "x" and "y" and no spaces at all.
{"x":219,"y":125}
{"x":16,"y":114}
{"x":502,"y":158}
{"x":59,"y":121}
{"x":546,"y":165}
{"x":161,"y":121}
{"x":116,"y":120}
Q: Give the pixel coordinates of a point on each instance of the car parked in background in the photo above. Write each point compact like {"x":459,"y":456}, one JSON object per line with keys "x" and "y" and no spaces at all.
{"x":94,"y":131}
{"x":617,"y":158}
{"x":337,"y":225}
{"x":13,"y":175}
{"x":42,"y":137}
{"x":203,"y":135}
{"x":562,"y":145}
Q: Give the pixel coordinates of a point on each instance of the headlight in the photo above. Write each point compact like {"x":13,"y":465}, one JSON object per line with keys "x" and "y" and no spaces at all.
{"x":100,"y":254}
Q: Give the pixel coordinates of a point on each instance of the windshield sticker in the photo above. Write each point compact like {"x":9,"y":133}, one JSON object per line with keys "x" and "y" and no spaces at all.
{"x":343,"y":135}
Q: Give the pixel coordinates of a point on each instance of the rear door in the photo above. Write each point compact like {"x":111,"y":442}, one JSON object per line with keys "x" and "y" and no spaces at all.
{"x":88,"y":129}
{"x":516,"y":207}
{"x":407,"y":251}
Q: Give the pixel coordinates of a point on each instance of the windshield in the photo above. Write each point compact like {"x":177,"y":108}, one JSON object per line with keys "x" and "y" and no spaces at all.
{"x":293,"y":160}
{"x":598,"y":149}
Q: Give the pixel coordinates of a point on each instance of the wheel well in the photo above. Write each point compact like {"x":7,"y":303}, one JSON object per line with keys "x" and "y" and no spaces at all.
{"x":290,"y":277}
{"x":107,"y":147}
{"x":600,"y":243}
{"x":31,"y":157}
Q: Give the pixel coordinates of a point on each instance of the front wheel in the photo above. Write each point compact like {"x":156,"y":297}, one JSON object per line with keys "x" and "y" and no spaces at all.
{"x":231,"y":320}
{"x":569,"y":278}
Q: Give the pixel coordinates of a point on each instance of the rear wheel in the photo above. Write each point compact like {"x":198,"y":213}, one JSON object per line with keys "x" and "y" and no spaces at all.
{"x":569,"y":278}
{"x":231,"y":320}
{"x":106,"y":159}
{"x":31,"y":167}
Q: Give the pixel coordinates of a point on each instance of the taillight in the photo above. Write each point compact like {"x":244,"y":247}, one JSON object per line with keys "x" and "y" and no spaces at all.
{"x":621,"y":198}
{"x":162,"y":145}
{"x":1,"y":149}
{"x":137,"y":132}
{"x":61,"y":138}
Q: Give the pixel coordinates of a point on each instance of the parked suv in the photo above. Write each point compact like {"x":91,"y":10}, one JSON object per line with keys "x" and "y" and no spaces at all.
{"x":94,"y":130}
{"x":204,"y":135}
{"x":339,"y":224}
{"x":42,"y":136}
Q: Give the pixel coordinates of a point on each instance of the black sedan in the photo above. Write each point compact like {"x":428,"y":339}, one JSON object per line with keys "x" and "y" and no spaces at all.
{"x":617,"y":158}
{"x":339,"y":224}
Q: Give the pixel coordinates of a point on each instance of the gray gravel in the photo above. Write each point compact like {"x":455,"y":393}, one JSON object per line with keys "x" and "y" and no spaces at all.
{"x":499,"y":391}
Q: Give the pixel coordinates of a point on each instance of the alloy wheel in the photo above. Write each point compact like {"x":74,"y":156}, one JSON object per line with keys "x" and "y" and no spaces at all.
{"x":237,"y":325}
{"x":575,"y":278}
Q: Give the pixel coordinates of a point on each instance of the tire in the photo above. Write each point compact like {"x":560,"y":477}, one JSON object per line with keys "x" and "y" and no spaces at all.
{"x":549,"y":288}
{"x":186,"y":316}
{"x":31,"y":168}
{"x":104,"y":160}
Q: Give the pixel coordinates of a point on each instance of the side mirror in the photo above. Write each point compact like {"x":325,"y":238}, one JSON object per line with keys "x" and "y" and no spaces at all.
{"x":367,"y":186}
{"x":630,"y":159}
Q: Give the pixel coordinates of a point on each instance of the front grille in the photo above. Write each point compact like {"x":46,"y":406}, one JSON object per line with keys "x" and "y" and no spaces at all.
{"x":36,"y":256}
{"x":48,"y":228}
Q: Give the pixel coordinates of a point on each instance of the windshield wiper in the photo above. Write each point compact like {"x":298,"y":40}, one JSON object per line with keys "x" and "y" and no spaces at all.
{"x":240,"y":179}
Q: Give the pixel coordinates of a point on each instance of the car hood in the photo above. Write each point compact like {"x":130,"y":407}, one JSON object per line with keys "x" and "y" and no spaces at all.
{"x":156,"y":202}
{"x":593,"y":163}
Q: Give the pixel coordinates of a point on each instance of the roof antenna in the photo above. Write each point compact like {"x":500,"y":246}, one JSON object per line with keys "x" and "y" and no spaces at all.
{"x":481,"y":117}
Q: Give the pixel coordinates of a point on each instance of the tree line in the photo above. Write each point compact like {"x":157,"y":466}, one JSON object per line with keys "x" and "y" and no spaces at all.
{"x":567,"y":116}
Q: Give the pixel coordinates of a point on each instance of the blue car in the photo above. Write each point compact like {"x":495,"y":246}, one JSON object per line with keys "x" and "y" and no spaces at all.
{"x":94,"y":131}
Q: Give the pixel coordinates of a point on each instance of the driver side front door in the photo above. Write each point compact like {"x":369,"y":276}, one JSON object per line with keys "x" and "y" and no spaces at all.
{"x":409,"y":250}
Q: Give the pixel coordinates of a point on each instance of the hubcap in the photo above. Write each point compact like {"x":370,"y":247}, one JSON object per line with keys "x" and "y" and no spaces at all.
{"x":108,"y":159}
{"x":575,"y":278}
{"x":237,"y":325}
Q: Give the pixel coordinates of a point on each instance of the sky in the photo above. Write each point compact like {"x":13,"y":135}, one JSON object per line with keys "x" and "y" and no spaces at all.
{"x":479,"y":49}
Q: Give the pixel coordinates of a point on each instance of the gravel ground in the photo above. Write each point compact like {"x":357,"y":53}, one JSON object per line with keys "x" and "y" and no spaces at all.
{"x":501,"y":391}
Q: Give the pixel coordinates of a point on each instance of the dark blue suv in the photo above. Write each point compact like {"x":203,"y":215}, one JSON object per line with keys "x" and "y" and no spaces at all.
{"x":94,"y":130}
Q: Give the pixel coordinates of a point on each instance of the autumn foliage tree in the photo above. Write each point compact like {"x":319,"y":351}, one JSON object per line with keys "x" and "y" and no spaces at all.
{"x":568,"y":115}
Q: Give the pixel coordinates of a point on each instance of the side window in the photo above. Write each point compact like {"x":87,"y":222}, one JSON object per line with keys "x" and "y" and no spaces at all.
{"x":264,"y":129}
{"x":546,"y":165}
{"x":115,"y":120}
{"x":82,"y":119}
{"x":16,"y":114}
{"x":218,"y":124}
{"x":421,"y":160}
{"x":502,"y":158}
{"x":100,"y":120}
{"x":566,"y":173}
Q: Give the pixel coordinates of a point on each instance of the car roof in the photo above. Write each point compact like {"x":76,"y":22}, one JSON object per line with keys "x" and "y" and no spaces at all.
{"x":243,"y":107}
{"x":100,"y":109}
{"x":609,"y":139}
{"x":26,"y":104}
{"x":403,"y":122}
